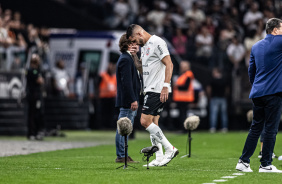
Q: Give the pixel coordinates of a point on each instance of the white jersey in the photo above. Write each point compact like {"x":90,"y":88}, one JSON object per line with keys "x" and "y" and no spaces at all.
{"x":152,"y":53}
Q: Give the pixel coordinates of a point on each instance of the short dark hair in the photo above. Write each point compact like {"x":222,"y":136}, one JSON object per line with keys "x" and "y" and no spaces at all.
{"x":130,"y":30}
{"x":271,"y":24}
{"x":123,"y":43}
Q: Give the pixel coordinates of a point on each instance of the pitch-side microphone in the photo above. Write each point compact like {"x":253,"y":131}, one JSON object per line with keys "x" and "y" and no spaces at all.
{"x":124,"y":126}
{"x":150,"y":150}
{"x":192,"y":122}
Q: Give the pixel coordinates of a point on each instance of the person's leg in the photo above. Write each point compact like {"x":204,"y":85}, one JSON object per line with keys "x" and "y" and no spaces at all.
{"x":261,"y":142}
{"x":107,"y":108}
{"x":213,"y":113}
{"x":273,"y":112}
{"x":157,"y":134}
{"x":262,"y":138}
{"x":182,"y":106}
{"x":120,"y":139}
{"x":224,"y":118}
{"x":31,"y":119}
{"x":151,"y":108}
{"x":160,"y":153}
{"x":156,"y":119}
{"x":255,"y":130}
{"x":155,"y":131}
{"x":111,"y":113}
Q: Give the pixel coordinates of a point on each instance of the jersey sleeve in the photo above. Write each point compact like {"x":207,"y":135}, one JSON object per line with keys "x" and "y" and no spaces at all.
{"x":161,"y":49}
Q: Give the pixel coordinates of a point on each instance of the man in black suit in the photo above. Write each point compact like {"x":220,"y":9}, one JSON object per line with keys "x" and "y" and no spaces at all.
{"x":128,"y":90}
{"x":34,"y":83}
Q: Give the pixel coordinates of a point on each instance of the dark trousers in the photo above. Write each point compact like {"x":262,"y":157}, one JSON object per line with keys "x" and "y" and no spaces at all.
{"x":267,"y":111}
{"x":182,"y":107}
{"x":34,"y":118}
{"x":107,"y":113}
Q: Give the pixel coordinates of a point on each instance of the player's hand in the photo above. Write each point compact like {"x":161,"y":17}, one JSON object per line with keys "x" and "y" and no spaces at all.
{"x":134,"y":49}
{"x":134,"y":106}
{"x":164,"y":95}
{"x":40,"y":80}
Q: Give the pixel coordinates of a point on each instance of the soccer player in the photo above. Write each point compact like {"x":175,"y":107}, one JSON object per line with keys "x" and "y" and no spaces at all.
{"x":157,"y":71}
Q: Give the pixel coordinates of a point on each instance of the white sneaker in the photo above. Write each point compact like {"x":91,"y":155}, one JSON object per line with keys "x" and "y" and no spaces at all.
{"x":153,"y":163}
{"x":169,"y":155}
{"x":244,"y":167}
{"x":269,"y":169}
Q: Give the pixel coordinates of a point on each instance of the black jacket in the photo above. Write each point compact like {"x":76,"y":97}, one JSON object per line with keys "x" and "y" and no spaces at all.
{"x":33,"y":89}
{"x":128,"y":83}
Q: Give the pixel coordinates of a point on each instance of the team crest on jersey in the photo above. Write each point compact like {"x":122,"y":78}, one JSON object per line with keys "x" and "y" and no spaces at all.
{"x":148,"y":51}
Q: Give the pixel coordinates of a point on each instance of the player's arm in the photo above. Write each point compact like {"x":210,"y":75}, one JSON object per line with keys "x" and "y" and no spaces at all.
{"x":137,"y":62}
{"x":252,"y":68}
{"x":168,"y":73}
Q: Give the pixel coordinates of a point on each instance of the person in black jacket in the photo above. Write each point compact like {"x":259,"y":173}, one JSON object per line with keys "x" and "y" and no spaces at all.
{"x":128,"y":90}
{"x":34,"y":84}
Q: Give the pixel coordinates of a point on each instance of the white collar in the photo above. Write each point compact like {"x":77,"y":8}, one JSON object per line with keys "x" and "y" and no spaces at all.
{"x":129,"y":52}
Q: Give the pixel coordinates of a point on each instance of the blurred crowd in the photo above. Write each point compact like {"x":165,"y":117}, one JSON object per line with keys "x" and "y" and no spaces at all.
{"x":21,"y":38}
{"x":210,"y":32}
{"x":214,"y":34}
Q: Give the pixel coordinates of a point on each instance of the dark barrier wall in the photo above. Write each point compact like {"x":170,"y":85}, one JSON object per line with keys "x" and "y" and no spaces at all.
{"x":52,"y":14}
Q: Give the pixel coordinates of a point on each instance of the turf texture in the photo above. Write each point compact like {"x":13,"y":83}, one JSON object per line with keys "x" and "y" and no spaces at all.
{"x":213,"y":156}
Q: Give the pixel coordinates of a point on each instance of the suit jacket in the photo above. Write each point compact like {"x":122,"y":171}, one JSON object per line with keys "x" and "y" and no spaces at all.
{"x":265,"y":70}
{"x":128,"y":83}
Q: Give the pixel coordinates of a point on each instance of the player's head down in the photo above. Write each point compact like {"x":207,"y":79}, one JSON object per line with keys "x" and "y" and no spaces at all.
{"x":136,"y":34}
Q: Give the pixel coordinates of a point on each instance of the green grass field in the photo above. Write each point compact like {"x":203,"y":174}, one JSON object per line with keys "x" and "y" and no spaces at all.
{"x":213,"y":156}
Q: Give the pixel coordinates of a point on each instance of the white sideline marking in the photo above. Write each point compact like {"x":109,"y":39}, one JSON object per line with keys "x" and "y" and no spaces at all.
{"x":229,"y":177}
{"x":219,"y":180}
{"x":226,"y":177}
{"x":238,"y":174}
{"x":184,"y":156}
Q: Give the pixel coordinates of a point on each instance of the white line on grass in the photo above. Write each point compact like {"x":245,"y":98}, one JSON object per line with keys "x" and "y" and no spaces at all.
{"x":226,"y":177}
{"x":238,"y":174}
{"x":219,"y":180}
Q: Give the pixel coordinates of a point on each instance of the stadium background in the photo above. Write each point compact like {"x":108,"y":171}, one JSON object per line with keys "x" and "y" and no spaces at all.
{"x":29,"y":24}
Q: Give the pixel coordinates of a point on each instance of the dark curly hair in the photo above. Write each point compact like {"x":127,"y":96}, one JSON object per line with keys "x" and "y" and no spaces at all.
{"x":123,"y":43}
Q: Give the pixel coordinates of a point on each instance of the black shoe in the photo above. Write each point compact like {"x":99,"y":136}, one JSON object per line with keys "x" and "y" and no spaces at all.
{"x":129,"y":160}
{"x":120,"y":160}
